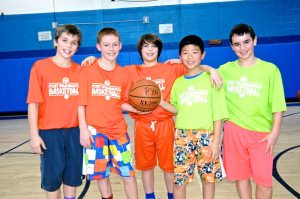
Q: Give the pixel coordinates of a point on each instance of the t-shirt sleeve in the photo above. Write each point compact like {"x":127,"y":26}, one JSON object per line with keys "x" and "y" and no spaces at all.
{"x":180,"y":69}
{"x":277,"y":97}
{"x":35,"y":87}
{"x":219,"y":109}
{"x":173,"y":97}
{"x":126,"y":87}
{"x":83,"y":87}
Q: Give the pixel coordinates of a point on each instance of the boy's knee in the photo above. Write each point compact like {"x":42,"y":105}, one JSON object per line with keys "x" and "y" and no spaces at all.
{"x":130,"y":179}
{"x":179,"y":187}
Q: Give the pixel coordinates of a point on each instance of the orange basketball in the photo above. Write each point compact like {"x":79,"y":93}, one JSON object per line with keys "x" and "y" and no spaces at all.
{"x":144,"y":95}
{"x":298,"y":95}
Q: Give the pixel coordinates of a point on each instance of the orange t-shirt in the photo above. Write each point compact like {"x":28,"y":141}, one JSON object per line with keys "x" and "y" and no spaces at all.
{"x":55,"y":89}
{"x":164,"y":76}
{"x":103,"y":92}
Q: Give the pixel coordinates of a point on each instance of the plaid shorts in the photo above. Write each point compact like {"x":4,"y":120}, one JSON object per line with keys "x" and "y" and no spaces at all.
{"x":107,"y":155}
{"x":191,"y":149}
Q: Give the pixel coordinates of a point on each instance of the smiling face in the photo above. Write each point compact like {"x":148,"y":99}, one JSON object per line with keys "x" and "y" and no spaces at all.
{"x":149,"y":52}
{"x":66,"y":45}
{"x":191,"y":56}
{"x":243,"y":46}
{"x":110,"y":46}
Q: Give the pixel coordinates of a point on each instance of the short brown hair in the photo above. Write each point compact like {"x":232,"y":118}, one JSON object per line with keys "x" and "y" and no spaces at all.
{"x":69,"y":29}
{"x":150,"y":38}
{"x":107,"y":31}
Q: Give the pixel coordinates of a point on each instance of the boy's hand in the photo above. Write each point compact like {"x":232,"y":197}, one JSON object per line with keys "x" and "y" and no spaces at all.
{"x":37,"y":144}
{"x":86,"y":138}
{"x":215,"y":78}
{"x":88,"y":61}
{"x":173,"y":61}
{"x":129,"y":108}
{"x":215,"y":151}
{"x":271,"y":140}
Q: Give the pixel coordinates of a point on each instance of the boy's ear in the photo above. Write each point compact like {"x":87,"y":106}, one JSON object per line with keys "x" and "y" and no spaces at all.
{"x":98,"y":47}
{"x":121,"y":45}
{"x":54,"y":44}
{"x":203,"y":55}
{"x":255,"y":41}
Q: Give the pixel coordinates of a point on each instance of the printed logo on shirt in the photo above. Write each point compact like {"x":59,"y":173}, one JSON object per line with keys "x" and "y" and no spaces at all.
{"x":191,"y":95}
{"x":105,"y":90}
{"x":64,"y":88}
{"x":159,"y":82}
{"x":244,"y":88}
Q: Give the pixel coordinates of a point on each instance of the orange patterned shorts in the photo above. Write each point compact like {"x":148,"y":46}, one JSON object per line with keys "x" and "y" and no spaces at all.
{"x":191,"y":149}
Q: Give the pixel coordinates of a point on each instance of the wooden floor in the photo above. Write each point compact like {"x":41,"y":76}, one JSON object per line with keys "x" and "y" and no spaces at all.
{"x":20,"y":175}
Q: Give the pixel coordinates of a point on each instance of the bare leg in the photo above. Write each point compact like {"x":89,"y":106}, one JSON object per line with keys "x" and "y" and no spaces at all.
{"x":244,"y":189}
{"x":53,"y":194}
{"x":130,"y":187}
{"x":180,"y":191}
{"x":69,"y":191}
{"x":104,"y":187}
{"x":169,"y":180}
{"x":208,"y":190}
{"x":148,"y":180}
{"x":263,"y":192}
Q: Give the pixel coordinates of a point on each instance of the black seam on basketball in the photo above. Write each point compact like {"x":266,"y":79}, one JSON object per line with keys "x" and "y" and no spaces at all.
{"x":144,"y":97}
{"x":155,"y":86}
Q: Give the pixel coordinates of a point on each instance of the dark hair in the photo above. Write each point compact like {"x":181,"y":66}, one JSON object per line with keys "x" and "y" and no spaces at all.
{"x":191,"y":39}
{"x":152,"y":39}
{"x":107,"y":31}
{"x":69,"y":29}
{"x":241,"y":29}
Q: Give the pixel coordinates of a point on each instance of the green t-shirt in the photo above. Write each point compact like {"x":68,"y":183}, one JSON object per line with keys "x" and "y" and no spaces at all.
{"x":197,"y":103}
{"x":253,"y":94}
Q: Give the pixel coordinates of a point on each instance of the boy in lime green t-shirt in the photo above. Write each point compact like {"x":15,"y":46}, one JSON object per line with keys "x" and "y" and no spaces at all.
{"x":255,"y":102}
{"x":200,"y":110}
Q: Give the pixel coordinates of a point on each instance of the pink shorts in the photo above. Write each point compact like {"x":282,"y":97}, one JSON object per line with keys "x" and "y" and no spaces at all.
{"x":245,"y":157}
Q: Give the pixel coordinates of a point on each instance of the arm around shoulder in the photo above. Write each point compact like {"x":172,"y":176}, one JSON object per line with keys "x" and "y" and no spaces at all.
{"x":215,"y":77}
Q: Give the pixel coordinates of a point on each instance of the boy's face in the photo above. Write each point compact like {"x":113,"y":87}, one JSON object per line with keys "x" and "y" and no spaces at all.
{"x":149,"y":52}
{"x":243,"y":46}
{"x":66,"y":45}
{"x":110,"y":47}
{"x":191,"y":56}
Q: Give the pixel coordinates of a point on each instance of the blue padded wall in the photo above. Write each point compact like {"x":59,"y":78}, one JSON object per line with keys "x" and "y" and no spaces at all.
{"x":276,"y":23}
{"x":209,"y":20}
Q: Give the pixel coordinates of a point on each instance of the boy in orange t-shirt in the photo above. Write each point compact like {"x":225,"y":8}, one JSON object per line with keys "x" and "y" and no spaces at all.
{"x":154,"y":132}
{"x":52,"y":114}
{"x":103,"y":96}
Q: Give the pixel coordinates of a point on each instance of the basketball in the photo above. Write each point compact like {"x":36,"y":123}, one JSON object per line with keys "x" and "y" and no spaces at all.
{"x":144,"y":95}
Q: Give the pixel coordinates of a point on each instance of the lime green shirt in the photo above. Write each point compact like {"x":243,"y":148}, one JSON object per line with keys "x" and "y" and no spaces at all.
{"x":253,"y":94}
{"x":197,"y":103}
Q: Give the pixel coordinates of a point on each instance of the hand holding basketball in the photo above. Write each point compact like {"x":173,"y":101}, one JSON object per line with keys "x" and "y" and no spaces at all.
{"x":144,"y":95}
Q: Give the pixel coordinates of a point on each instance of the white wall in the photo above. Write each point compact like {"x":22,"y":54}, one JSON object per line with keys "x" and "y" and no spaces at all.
{"x":10,"y":7}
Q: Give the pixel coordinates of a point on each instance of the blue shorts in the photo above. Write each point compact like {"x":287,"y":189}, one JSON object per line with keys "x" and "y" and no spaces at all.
{"x":62,"y":160}
{"x":106,"y":155}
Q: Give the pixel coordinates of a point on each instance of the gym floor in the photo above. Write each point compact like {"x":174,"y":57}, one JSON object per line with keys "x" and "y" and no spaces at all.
{"x":20,"y":174}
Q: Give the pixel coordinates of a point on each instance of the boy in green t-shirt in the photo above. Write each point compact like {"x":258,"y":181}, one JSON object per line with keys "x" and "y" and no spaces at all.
{"x":255,"y":101}
{"x":200,"y":110}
